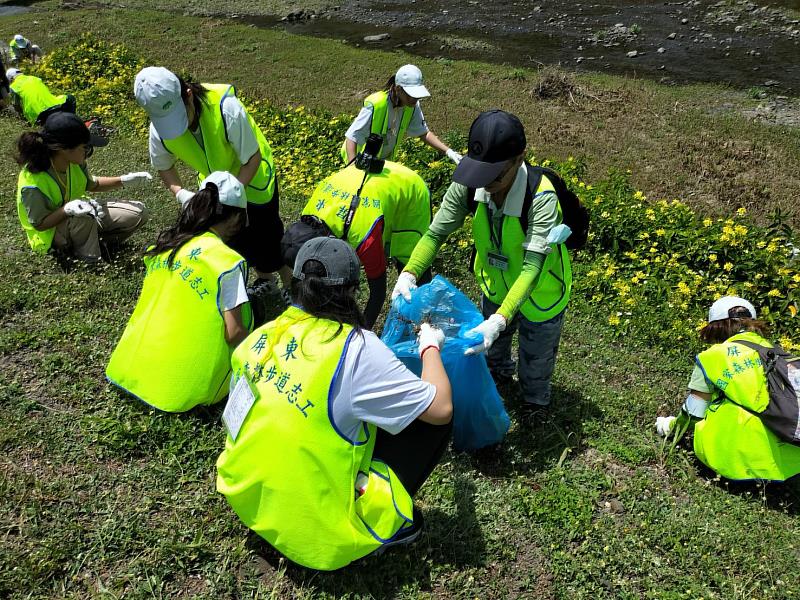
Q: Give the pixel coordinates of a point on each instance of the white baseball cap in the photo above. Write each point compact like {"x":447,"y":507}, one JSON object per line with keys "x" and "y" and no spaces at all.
{"x":12,"y":73}
{"x":720,"y":309}
{"x":21,"y":41}
{"x":409,"y":77}
{"x":158,"y":91}
{"x":231,"y":190}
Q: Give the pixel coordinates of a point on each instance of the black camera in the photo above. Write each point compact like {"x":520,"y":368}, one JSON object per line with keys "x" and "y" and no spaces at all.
{"x":367,"y":159}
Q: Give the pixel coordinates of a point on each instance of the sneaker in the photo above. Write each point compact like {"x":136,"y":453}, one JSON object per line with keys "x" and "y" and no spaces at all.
{"x":535,"y":413}
{"x":405,"y":536}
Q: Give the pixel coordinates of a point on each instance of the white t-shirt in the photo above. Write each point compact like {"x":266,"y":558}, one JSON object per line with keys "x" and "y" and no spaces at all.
{"x":240,"y":135}
{"x":360,"y":128}
{"x":232,"y":290}
{"x":374,"y":386}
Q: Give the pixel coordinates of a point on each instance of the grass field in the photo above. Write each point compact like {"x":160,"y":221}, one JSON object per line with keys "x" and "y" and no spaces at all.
{"x":102,"y":498}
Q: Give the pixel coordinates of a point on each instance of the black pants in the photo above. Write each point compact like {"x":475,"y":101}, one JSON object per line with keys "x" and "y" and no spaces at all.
{"x":414,"y":452}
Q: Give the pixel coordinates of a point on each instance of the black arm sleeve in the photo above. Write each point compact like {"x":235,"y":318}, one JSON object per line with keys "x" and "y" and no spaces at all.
{"x":377,"y":296}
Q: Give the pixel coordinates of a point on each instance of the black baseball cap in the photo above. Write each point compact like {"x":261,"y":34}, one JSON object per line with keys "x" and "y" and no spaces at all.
{"x":495,"y":137}
{"x":337,"y":257}
{"x":70,"y":131}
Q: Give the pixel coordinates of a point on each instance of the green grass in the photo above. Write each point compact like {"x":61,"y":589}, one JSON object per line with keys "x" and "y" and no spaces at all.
{"x":102,"y":498}
{"x":687,"y":142}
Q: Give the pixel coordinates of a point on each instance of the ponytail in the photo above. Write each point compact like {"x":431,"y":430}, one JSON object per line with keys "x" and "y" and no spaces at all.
{"x":198,"y":215}
{"x":33,"y":152}
{"x":389,"y":83}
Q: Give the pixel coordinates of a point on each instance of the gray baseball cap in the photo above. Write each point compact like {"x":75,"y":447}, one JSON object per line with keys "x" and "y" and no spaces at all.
{"x":337,"y":257}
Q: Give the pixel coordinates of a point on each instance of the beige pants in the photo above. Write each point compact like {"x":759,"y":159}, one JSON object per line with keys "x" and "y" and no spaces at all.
{"x":81,"y":236}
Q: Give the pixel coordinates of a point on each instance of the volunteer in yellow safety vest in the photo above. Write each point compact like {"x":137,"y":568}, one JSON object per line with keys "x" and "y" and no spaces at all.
{"x":51,"y":192}
{"x":329,"y":435}
{"x":394,"y":113}
{"x":727,"y":386}
{"x":524,"y":271}
{"x":193,"y":309}
{"x":23,"y":49}
{"x":392,"y":214}
{"x":206,"y":127}
{"x":33,"y":100}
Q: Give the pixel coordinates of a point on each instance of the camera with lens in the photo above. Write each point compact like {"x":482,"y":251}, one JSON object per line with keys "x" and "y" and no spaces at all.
{"x":367,"y":160}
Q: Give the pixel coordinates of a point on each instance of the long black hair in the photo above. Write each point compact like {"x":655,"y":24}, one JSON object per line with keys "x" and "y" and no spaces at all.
{"x":333,"y":302}
{"x":198,"y":93}
{"x":198,"y":215}
{"x":34,"y":153}
{"x":389,"y":83}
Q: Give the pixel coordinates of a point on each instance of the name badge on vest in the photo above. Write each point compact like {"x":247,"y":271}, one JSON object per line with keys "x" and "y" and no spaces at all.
{"x":498,"y":261}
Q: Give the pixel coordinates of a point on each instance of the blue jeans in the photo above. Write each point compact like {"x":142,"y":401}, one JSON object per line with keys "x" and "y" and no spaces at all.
{"x":538,"y":346}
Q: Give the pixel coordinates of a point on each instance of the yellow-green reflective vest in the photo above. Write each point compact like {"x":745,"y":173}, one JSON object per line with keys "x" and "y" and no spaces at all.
{"x":397,"y":195}
{"x":76,"y":181}
{"x":290,"y":475}
{"x":34,"y":96}
{"x":552,"y":291}
{"x":217,"y":154}
{"x":379,"y":101}
{"x":173,"y":354}
{"x":730,"y":440}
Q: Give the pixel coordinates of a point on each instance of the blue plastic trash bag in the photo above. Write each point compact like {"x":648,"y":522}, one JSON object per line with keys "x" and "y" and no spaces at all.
{"x":479,"y":417}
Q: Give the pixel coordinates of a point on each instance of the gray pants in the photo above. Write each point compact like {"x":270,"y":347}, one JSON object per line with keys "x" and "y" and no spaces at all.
{"x":80,"y":236}
{"x":538,"y":346}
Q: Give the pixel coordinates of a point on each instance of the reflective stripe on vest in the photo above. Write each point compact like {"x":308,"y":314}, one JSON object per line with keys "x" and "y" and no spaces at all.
{"x":290,"y":475}
{"x":217,"y":154}
{"x":397,"y":195}
{"x":34,"y":96}
{"x":41,"y":241}
{"x":173,"y":354}
{"x":379,"y":101}
{"x":730,"y":440}
{"x":552,"y":292}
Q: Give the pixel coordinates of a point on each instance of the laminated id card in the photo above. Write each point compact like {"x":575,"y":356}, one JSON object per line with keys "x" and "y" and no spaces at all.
{"x":498,"y":261}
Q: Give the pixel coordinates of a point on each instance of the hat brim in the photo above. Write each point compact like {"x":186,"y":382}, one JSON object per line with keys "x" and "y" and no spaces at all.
{"x":416,"y":91}
{"x":173,"y":124}
{"x":476,"y":174}
{"x":98,"y":141}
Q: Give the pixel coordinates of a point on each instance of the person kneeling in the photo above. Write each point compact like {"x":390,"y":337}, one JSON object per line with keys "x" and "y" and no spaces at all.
{"x":727,"y":389}
{"x":51,"y":192}
{"x":329,"y":435}
{"x":193,"y":310}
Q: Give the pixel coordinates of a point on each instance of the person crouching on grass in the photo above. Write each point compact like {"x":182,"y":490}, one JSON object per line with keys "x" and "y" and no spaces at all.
{"x":727,"y":388}
{"x":193,"y":309}
{"x":329,"y":435}
{"x":51,"y":192}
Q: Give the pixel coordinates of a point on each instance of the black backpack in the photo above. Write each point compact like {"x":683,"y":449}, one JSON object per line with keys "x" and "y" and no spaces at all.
{"x":574,"y":214}
{"x":782,"y":370}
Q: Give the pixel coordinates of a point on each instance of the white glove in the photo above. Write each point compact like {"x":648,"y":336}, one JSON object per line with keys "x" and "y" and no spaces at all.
{"x":132,"y":180}
{"x":406,"y":283}
{"x":184,"y":196}
{"x":490,"y":330}
{"x":79,"y":208}
{"x":453,"y":155}
{"x":99,"y":209}
{"x":429,"y":336}
{"x":664,"y":425}
{"x":559,"y":234}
